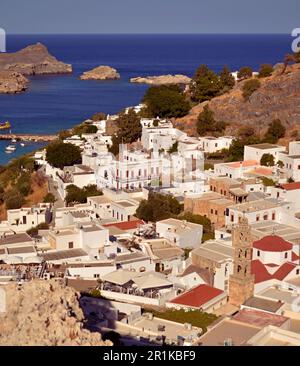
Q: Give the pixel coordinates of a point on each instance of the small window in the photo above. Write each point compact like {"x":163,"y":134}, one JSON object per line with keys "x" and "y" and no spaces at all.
{"x":71,"y":245}
{"x":297,"y":271}
{"x":258,"y":253}
{"x":285,"y":255}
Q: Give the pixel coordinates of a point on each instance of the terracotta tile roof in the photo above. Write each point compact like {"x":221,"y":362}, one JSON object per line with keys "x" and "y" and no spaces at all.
{"x":263,"y":171}
{"x":272,"y":243}
{"x":261,"y":273}
{"x":198,"y":296}
{"x":295,"y":257}
{"x":243,"y":164}
{"x":291,"y":186}
{"x":126,"y":225}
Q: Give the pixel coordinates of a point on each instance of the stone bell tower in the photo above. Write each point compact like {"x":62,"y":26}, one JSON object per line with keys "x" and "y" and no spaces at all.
{"x":241,"y":282}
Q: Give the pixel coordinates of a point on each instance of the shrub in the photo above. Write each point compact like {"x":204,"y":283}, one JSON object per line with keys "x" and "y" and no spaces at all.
{"x":265,"y":70}
{"x":245,"y":72}
{"x":275,"y":131}
{"x":34,"y":230}
{"x":249,"y":87}
{"x":49,"y":198}
{"x":13,"y":199}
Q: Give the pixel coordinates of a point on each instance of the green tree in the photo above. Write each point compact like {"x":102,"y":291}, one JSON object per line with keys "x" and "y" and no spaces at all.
{"x":236,"y":149}
{"x":265,"y":70}
{"x":49,"y":198}
{"x":207,"y":123}
{"x":166,"y":101}
{"x":204,"y":85}
{"x":208,"y":231}
{"x":75,"y":194}
{"x":129,"y":130}
{"x":13,"y":199}
{"x":267,"y":160}
{"x":249,"y":87}
{"x":226,"y":80}
{"x":275,"y":131}
{"x":59,"y":154}
{"x":80,"y":195}
{"x":245,"y":132}
{"x":245,"y":72}
{"x":158,"y":207}
{"x":280,"y":164}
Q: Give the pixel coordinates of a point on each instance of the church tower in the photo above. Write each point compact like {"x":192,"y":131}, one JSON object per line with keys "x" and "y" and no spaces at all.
{"x":241,"y":282}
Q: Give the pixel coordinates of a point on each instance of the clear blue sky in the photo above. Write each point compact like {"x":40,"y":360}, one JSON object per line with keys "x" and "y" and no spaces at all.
{"x":149,"y":16}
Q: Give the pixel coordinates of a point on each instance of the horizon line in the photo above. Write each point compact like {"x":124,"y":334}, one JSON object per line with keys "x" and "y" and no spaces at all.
{"x":144,"y":34}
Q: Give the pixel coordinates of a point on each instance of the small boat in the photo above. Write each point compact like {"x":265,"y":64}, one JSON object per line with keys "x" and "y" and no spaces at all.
{"x":10,"y":148}
{"x":5,"y":126}
{"x":14,"y":140}
{"x":22,"y":144}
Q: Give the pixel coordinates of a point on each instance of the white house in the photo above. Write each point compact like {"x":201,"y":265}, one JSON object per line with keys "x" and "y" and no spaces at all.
{"x":213,"y":144}
{"x":255,"y":152}
{"x":180,"y":232}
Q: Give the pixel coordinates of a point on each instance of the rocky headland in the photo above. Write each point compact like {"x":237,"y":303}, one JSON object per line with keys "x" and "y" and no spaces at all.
{"x":162,"y":79}
{"x":100,"y":73}
{"x":44,"y":313}
{"x":32,"y":60}
{"x":277,"y":97}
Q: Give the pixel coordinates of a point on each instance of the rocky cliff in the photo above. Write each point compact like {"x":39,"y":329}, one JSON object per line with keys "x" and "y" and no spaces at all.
{"x":44,"y":313}
{"x":101,"y":73}
{"x":33,"y":60}
{"x":278,"y":97}
{"x":12,"y":82}
{"x":162,"y":79}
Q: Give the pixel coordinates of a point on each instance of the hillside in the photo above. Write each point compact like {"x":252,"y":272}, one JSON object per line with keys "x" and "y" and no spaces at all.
{"x":44,"y":313}
{"x":278,"y":97}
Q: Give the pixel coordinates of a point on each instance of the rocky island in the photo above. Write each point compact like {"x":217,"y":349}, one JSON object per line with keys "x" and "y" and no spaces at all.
{"x":31,"y":60}
{"x":100,"y":73}
{"x":162,"y":79}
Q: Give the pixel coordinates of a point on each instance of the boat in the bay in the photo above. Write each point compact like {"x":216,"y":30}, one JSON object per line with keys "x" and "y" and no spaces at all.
{"x":10,"y":148}
{"x":5,"y":125}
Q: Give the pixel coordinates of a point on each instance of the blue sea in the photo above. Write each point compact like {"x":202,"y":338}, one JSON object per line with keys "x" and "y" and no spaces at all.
{"x":57,"y":102}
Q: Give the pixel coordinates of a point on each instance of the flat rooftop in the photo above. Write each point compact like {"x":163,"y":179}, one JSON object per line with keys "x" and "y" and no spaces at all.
{"x":265,"y":228}
{"x":254,"y":206}
{"x":265,"y":146}
{"x":16,"y":239}
{"x":228,"y":329}
{"x":276,"y":294}
{"x":171,"y":329}
{"x":125,"y":203}
{"x":263,"y":304}
{"x":259,"y":318}
{"x":214,"y":251}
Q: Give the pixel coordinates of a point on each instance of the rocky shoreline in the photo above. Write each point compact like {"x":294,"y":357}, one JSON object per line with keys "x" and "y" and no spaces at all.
{"x":12,"y":82}
{"x":100,"y":73}
{"x":162,"y":79}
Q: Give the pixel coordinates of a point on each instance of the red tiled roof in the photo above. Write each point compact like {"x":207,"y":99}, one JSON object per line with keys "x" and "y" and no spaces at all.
{"x":272,"y":243}
{"x":291,"y":186}
{"x":261,"y":273}
{"x":295,"y":257}
{"x":243,"y":164}
{"x":197,"y":296}
{"x":272,"y":265}
{"x":126,"y":225}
